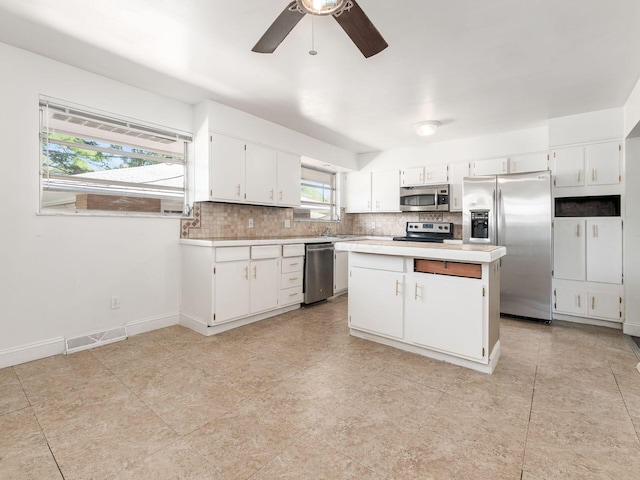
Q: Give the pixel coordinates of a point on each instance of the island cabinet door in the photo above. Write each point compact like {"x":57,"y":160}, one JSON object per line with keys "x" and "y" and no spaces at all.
{"x":376,"y":301}
{"x":446,"y":314}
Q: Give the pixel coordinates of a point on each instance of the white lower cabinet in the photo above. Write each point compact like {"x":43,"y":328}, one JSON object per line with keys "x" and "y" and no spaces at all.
{"x":231,"y":287}
{"x":292,"y":275}
{"x":376,"y":301}
{"x":592,"y":300}
{"x":340,"y":272}
{"x":264,"y":285}
{"x":437,"y":318}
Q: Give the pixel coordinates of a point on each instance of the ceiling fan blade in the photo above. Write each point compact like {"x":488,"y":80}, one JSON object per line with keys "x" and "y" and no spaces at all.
{"x":361,"y":31}
{"x":278,"y":30}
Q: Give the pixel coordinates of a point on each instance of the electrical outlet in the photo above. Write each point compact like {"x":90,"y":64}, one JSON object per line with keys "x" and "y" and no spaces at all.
{"x":251,"y":223}
{"x":287,"y":223}
{"x":115,"y":302}
{"x":373,"y":225}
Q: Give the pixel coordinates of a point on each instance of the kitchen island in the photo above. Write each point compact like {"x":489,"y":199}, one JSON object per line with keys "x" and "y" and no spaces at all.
{"x":437,"y":300}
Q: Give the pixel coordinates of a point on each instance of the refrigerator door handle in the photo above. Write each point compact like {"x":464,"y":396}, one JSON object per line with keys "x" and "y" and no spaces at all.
{"x":499,"y":219}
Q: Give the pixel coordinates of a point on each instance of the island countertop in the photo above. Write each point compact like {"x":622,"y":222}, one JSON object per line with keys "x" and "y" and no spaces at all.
{"x":436,"y":251}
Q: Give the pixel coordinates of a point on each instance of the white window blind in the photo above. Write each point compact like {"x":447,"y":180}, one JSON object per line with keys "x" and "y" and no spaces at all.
{"x":95,"y":162}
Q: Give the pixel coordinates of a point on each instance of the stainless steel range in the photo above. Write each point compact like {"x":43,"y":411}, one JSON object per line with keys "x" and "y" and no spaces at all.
{"x":435,"y":232}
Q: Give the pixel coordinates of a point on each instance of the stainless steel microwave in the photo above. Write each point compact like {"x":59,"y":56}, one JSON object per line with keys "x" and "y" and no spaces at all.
{"x":426,"y":198}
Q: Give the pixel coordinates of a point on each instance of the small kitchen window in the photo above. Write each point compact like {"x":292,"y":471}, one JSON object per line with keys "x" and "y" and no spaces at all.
{"x":318,"y":196}
{"x":100,"y":164}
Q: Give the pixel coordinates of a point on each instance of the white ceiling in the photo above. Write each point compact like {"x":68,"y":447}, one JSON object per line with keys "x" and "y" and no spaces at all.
{"x":479,"y":67}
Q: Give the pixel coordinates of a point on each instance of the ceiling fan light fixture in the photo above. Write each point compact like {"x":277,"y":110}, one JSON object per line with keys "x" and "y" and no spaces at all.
{"x":426,"y":128}
{"x":321,"y":7}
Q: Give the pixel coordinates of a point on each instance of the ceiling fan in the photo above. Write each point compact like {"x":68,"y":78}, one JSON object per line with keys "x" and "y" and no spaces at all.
{"x":347,"y":13}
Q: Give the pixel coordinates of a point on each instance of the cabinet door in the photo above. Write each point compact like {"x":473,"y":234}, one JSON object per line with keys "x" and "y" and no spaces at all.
{"x":603,"y":163}
{"x":376,"y":302}
{"x":231,"y":299}
{"x":437,"y":319}
{"x":569,"y":248}
{"x":412,"y":176}
{"x":604,"y":305}
{"x":358,"y":192}
{"x":340,"y":271}
{"x":265,"y":284}
{"x":531,"y":162}
{"x":568,"y":167}
{"x":227,"y":168}
{"x":436,"y":174}
{"x":260,"y":174}
{"x":288,"y":181}
{"x":604,"y":250}
{"x":457,"y":172}
{"x":494,"y":166}
{"x":385,"y":191}
{"x":569,"y":300}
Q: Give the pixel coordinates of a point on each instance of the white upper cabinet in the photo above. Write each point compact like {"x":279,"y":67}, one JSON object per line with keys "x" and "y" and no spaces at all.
{"x":226,"y":168}
{"x":412,"y":176}
{"x":358,"y":192}
{"x":260,"y":174}
{"x":530,"y":162}
{"x":435,"y":174}
{"x":429,"y":175}
{"x":595,"y":164}
{"x":372,"y":192}
{"x":243,"y":172}
{"x":493,"y":166}
{"x":457,"y":172}
{"x":288,"y":182}
{"x":385,"y":191}
{"x":603,"y":163}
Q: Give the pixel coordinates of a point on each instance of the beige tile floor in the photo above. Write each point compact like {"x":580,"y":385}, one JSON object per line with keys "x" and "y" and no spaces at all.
{"x":296,"y":397}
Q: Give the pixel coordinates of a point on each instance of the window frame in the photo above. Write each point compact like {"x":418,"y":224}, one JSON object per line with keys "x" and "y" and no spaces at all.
{"x":334,"y":207}
{"x":147,"y":148}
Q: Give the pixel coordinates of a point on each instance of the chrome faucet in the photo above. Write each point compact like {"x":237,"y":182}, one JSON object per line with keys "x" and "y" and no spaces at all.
{"x":326,"y":233}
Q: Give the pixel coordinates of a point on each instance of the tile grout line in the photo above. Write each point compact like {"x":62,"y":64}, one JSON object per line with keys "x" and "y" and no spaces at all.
{"x":533,"y":394}
{"x":626,"y":407}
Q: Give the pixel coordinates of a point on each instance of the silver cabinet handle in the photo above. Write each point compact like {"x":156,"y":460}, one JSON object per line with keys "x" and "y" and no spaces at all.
{"x":246,"y":273}
{"x":579,"y":175}
{"x":291,"y":279}
{"x":280,"y":194}
{"x":579,"y":301}
{"x":238,"y":190}
{"x":504,"y":167}
{"x":397,"y":287}
{"x":271,"y":195}
{"x":415,"y":292}
{"x":593,"y":174}
{"x":578,"y":230}
{"x":593,"y":303}
{"x":513,"y":164}
{"x":255,"y":271}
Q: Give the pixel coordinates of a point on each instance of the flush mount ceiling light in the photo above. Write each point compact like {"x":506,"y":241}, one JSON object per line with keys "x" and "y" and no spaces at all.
{"x":426,"y":128}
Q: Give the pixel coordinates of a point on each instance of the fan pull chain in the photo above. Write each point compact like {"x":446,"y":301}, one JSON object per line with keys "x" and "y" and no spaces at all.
{"x":313,"y":50}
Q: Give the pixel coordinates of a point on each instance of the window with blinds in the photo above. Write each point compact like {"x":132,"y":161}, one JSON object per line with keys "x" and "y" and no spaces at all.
{"x":318,"y":196}
{"x":98,"y":163}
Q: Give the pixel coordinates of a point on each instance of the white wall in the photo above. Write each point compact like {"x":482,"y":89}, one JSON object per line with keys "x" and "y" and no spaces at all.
{"x":632,"y":220}
{"x":587,"y":127}
{"x":494,"y":146}
{"x":57,"y":273}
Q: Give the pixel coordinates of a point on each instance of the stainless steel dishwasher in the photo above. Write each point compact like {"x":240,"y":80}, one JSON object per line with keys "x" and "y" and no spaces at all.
{"x":318,"y":272}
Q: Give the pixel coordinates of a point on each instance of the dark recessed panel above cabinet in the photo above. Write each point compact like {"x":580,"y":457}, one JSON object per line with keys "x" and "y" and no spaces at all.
{"x":595,"y":206}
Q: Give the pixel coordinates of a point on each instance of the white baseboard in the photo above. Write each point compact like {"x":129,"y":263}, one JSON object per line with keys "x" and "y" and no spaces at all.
{"x":154,"y":323}
{"x":632,"y":329}
{"x":55,"y":346}
{"x":30,"y":352}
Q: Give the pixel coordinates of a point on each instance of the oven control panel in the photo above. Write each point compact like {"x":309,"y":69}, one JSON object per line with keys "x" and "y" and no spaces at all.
{"x":429,"y":227}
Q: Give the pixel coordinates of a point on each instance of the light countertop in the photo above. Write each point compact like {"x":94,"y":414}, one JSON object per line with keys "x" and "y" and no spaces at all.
{"x":248,"y":241}
{"x":435,"y":251}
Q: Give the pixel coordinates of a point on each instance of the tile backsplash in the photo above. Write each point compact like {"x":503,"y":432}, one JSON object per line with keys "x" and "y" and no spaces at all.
{"x":226,"y":220}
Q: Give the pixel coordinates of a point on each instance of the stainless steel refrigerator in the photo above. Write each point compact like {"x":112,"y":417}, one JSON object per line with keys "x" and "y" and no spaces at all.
{"x":514,"y":211}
